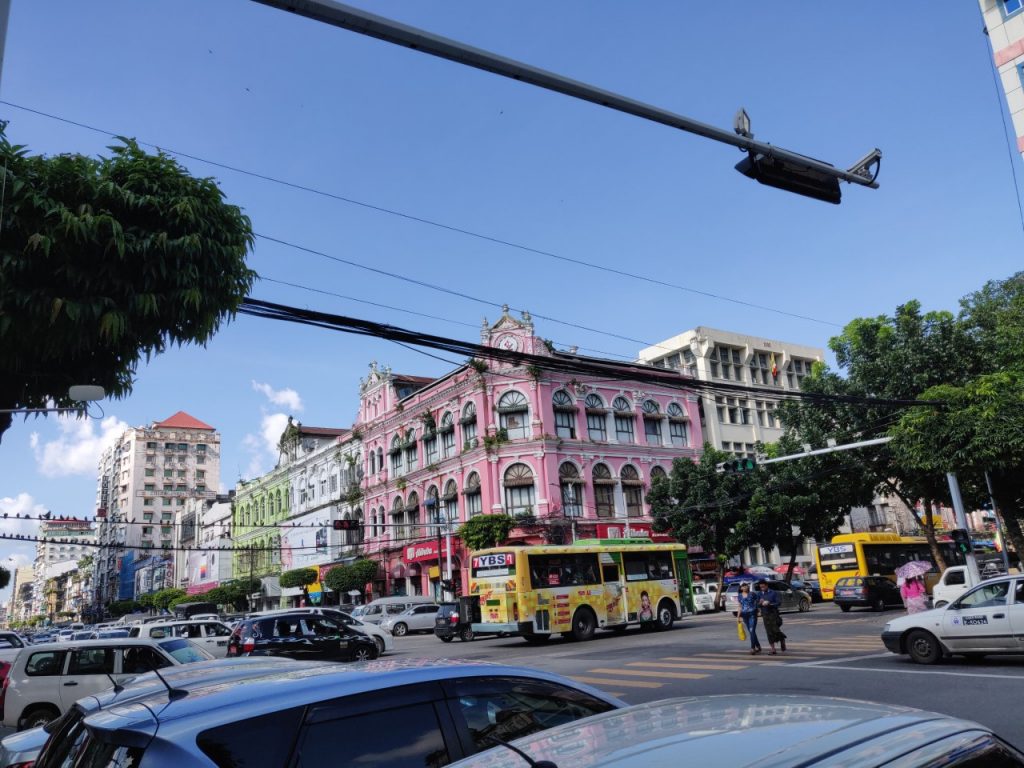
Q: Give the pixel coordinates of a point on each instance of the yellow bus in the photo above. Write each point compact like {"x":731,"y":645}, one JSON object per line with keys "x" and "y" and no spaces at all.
{"x":875,"y":554}
{"x":579,"y":588}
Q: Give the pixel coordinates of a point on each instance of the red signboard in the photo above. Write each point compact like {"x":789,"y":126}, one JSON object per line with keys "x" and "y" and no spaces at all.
{"x":424,"y":550}
{"x":630,"y":530}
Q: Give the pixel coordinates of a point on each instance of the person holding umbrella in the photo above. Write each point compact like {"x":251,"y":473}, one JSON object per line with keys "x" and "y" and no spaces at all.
{"x":911,"y":584}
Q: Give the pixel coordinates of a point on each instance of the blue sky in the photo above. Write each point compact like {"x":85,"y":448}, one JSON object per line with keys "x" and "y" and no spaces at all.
{"x":259,"y":89}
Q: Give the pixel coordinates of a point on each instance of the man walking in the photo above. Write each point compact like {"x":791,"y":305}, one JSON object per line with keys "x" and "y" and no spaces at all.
{"x":769,"y":605}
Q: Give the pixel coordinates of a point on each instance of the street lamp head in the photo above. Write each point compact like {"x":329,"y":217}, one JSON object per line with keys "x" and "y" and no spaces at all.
{"x":86,"y":393}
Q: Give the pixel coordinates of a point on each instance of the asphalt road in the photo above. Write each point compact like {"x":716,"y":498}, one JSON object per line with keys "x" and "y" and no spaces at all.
{"x":830,"y":653}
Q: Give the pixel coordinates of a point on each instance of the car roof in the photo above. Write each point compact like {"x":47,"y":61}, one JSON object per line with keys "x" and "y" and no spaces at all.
{"x":122,"y":641}
{"x":296,"y":686}
{"x":741,"y":731}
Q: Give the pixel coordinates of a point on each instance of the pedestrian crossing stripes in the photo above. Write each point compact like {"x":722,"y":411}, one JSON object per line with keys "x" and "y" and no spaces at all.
{"x":664,"y":670}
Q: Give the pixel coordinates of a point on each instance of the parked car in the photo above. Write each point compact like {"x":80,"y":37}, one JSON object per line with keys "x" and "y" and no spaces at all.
{"x":811,"y":587}
{"x":107,"y":634}
{"x":210,"y":635}
{"x":984,"y":620}
{"x":875,"y":592}
{"x":416,"y":618}
{"x":47,"y":679}
{"x":377,"y":610}
{"x":24,"y":749}
{"x":757,"y":730}
{"x":385,"y":643}
{"x":11,"y":644}
{"x":705,"y":593}
{"x":303,"y":636}
{"x":394,"y":714}
{"x":791,"y":599}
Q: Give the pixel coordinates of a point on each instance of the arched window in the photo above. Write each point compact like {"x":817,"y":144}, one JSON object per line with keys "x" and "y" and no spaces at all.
{"x":356,"y":536}
{"x":519,"y":492}
{"x":396,"y":456}
{"x":432,"y":501}
{"x":411,"y":450}
{"x":380,"y":459}
{"x":625,"y":417}
{"x":597,"y":423}
{"x":514,"y":414}
{"x":572,"y":489}
{"x":474,"y":502}
{"x":565,"y":415}
{"x":323,"y":483}
{"x":412,"y":515}
{"x":447,"y":430}
{"x":451,"y":500}
{"x":373,"y":462}
{"x":468,"y":426}
{"x":397,"y":527}
{"x":652,"y":422}
{"x":657,"y":472}
{"x":429,"y":445}
{"x":677,"y":425}
{"x":632,"y":490}
{"x":604,"y":491}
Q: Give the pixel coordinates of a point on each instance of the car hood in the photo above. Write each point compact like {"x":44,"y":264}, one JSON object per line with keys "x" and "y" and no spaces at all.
{"x":738,"y":731}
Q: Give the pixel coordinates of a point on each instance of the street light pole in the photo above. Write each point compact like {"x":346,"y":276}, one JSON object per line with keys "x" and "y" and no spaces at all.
{"x":961,"y":522}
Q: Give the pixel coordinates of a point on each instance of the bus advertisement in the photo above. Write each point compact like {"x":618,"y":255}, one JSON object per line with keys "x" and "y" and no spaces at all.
{"x":579,"y":588}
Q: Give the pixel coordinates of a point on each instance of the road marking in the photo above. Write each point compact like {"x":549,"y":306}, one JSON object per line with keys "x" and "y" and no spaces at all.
{"x":648,"y":673}
{"x":823,"y":662}
{"x":916,"y":671}
{"x":744,"y":656}
{"x":712,"y":664}
{"x":620,"y":683}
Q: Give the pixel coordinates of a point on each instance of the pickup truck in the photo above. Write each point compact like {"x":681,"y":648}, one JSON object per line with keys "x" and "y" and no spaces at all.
{"x":954,"y":581}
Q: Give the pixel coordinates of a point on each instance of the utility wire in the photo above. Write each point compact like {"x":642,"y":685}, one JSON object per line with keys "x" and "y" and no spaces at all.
{"x":433,"y":223}
{"x":562,"y":362}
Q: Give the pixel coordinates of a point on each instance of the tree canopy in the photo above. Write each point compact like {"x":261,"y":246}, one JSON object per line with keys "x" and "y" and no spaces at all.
{"x":486,"y":531}
{"x":105,"y":261}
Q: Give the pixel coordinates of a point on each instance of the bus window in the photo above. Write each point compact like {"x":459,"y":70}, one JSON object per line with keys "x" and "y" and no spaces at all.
{"x":563,"y":570}
{"x":648,"y":566}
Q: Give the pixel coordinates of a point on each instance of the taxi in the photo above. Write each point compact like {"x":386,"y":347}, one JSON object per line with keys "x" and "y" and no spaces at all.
{"x":988,"y":619}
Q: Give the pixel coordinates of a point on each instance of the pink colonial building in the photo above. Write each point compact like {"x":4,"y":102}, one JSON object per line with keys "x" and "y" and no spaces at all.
{"x":570,"y":457}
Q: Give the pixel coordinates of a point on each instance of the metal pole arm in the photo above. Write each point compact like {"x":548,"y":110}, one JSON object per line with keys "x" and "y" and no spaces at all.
{"x":830,"y":449}
{"x":388,"y":30}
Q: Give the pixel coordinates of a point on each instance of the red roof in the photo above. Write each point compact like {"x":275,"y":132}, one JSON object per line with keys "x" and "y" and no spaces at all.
{"x":324,"y":431}
{"x":414,"y":379}
{"x":182,"y":420}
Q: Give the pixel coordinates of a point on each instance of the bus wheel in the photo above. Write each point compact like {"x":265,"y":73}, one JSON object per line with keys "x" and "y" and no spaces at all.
{"x":666,"y":616}
{"x":583,"y":624}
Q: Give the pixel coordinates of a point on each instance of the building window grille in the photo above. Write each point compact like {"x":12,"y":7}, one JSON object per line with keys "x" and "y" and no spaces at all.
{"x":572,"y":490}
{"x":513,"y":412}
{"x":604,"y":491}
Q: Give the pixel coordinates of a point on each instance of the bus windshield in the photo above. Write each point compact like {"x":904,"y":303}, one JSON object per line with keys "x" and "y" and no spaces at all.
{"x":500,"y":565}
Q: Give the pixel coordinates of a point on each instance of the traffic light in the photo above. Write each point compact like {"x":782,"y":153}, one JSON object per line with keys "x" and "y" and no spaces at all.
{"x":346,"y":525}
{"x":791,"y":177}
{"x":962,"y":541}
{"x":738,"y":465}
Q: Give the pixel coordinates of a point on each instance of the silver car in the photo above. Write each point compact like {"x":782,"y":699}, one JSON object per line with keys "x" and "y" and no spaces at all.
{"x":764,"y":731}
{"x":418,"y":618}
{"x":382,"y":713}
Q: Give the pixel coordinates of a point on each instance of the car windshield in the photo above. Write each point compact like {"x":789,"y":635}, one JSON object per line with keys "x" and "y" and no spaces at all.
{"x":184,"y":652}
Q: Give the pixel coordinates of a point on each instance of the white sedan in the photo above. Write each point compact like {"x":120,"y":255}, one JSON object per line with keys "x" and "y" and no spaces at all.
{"x":988,"y":619}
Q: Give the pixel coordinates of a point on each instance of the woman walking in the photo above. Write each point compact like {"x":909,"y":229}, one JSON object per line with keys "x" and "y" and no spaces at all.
{"x":769,"y":605}
{"x":748,"y":615}
{"x":914,"y":594}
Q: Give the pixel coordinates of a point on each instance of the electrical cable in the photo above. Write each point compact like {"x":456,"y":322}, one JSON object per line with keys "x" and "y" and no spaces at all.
{"x":430,"y":222}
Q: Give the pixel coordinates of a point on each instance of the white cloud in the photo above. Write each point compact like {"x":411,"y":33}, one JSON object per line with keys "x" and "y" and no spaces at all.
{"x":22,"y":504}
{"x":262,"y":445}
{"x":76,"y":451}
{"x":287,"y":397}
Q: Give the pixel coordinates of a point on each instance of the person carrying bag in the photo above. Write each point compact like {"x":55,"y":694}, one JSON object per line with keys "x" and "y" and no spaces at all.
{"x":747,"y":624}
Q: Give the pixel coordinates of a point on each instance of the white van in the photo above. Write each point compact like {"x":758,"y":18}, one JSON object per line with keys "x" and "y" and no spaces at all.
{"x":378,"y":610}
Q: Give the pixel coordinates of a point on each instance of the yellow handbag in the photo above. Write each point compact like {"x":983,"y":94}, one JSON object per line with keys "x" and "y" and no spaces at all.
{"x":741,"y":631}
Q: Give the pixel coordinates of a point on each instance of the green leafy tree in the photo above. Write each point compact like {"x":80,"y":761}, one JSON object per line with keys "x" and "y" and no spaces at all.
{"x":146,"y":600}
{"x":162,"y":599}
{"x":889,"y":357}
{"x":344,"y":578}
{"x":486,"y":531}
{"x":804,"y":498}
{"x":704,"y":507}
{"x":105,"y":261}
{"x":122,"y":607}
{"x":300,"y":577}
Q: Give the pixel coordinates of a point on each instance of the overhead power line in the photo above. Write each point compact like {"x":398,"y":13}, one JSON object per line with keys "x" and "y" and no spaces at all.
{"x":562,"y":362}
{"x":431,"y":222}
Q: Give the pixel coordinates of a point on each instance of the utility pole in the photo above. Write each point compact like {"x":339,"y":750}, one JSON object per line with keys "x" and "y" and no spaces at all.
{"x":961,"y":522}
{"x":999,"y":523}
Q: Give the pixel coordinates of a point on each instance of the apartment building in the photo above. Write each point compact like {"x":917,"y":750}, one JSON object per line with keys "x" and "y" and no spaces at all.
{"x":1004,"y":25}
{"x":736,"y":423}
{"x":145,"y":477}
{"x":61,"y":540}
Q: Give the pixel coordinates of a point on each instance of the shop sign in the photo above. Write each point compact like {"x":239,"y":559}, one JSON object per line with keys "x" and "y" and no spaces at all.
{"x":425,"y":550}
